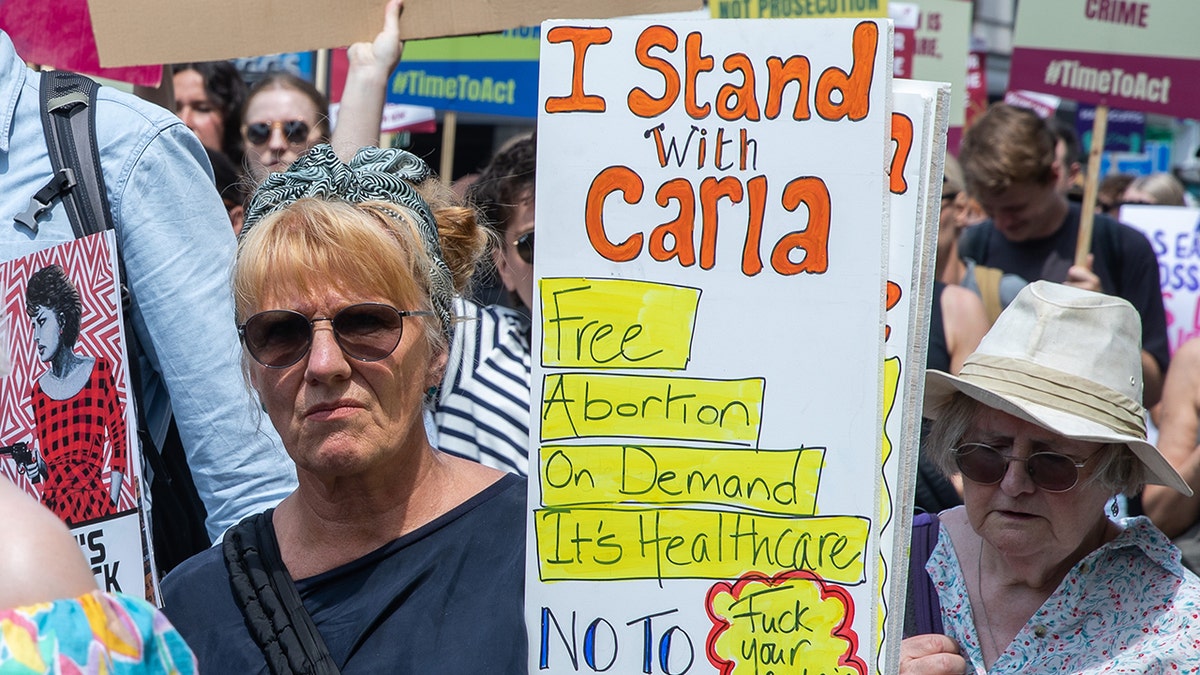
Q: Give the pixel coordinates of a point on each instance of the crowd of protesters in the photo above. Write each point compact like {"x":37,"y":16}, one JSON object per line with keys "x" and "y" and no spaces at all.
{"x":378,"y":497}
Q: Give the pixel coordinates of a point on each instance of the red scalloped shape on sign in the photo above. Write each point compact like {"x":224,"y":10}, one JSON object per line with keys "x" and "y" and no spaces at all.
{"x":843,"y":630}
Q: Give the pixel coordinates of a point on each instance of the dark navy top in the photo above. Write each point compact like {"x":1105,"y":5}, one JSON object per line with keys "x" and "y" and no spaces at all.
{"x":445,"y":598}
{"x":1124,"y":261}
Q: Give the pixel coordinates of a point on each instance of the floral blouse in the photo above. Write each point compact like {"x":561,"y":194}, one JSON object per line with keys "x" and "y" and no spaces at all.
{"x":1128,"y":607}
{"x":94,"y":633}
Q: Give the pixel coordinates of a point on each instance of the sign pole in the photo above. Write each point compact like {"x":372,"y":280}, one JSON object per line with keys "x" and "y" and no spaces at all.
{"x":321,"y":71}
{"x":449,"y":129}
{"x":1091,"y":185}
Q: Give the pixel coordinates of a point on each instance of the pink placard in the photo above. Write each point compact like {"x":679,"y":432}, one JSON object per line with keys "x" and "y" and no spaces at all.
{"x":58,"y":33}
{"x":1152,"y":84}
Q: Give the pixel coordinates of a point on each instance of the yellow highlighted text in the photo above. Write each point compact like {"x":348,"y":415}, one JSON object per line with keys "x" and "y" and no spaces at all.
{"x":791,"y":623}
{"x":777,"y":481}
{"x":616,"y":323}
{"x":616,"y":544}
{"x":587,"y":405}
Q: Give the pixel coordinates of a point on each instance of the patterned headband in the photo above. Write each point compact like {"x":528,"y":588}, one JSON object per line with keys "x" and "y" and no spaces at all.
{"x":374,"y":174}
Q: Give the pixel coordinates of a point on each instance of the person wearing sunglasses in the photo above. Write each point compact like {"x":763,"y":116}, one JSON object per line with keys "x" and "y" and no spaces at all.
{"x":1045,"y":424}
{"x":283,"y":117}
{"x":1157,"y":189}
{"x":504,"y":193}
{"x":1111,"y":192}
{"x":482,"y":409}
{"x":344,"y":290}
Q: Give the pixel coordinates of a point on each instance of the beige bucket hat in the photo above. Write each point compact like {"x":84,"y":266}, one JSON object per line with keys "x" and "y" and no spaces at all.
{"x":1067,"y":360}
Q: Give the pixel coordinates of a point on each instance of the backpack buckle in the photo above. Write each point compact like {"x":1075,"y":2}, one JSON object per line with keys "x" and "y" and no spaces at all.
{"x":60,"y":183}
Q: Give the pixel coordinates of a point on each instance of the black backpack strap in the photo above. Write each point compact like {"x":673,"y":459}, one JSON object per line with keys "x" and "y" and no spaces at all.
{"x":923,"y":608}
{"x":270,"y":603}
{"x":68,"y":102}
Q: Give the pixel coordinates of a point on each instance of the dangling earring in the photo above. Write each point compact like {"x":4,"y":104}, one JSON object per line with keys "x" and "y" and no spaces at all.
{"x":431,"y":396}
{"x":1114,"y":509}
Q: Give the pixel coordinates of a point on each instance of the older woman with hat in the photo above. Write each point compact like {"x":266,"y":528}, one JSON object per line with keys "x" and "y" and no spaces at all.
{"x":1045,"y":425}
{"x":391,"y":556}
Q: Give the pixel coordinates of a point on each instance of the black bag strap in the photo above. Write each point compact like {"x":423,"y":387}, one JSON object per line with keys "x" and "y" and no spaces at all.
{"x":68,"y":104}
{"x":923,"y":608}
{"x":270,"y":603}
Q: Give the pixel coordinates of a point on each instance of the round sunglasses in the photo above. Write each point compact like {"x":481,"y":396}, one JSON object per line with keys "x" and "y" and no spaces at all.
{"x":295,"y":131}
{"x":369,"y":331}
{"x":524,"y":246}
{"x":1050,"y":471}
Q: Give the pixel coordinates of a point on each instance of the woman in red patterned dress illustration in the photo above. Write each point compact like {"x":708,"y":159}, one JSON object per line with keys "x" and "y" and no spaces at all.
{"x":75,"y":406}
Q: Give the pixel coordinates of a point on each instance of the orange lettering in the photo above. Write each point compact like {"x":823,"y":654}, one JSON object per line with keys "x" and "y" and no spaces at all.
{"x":610,"y":180}
{"x":855,"y":87}
{"x":893,"y":298}
{"x":746,"y":104}
{"x":779,"y":74}
{"x":676,"y":238}
{"x":696,"y":63}
{"x":712,"y":190}
{"x":580,"y":39}
{"x":902,"y":134}
{"x":641,"y":103}
{"x":680,"y":229}
{"x":751,"y":261}
{"x":814,"y":239}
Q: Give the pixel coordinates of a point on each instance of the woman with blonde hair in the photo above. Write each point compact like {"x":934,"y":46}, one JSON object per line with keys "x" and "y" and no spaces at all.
{"x":1161,"y":189}
{"x":344,"y":292}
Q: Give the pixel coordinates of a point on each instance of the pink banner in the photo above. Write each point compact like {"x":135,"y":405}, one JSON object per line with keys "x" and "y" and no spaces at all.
{"x":58,"y":33}
{"x":904,"y":46}
{"x":977,"y":99}
{"x":1151,"y":84}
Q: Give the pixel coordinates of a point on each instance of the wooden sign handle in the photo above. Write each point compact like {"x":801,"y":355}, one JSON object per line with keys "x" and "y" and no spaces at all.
{"x":321,"y":71}
{"x":449,"y":131}
{"x":1091,"y":185}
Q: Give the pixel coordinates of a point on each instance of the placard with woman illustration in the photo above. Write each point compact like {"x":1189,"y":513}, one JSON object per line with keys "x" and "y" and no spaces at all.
{"x":68,"y":422}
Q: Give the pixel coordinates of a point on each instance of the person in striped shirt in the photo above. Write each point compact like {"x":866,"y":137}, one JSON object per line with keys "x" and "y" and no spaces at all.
{"x":482,"y":408}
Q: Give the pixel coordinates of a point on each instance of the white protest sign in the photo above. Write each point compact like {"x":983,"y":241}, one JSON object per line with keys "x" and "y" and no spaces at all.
{"x":920,"y":118}
{"x":708,"y":340}
{"x":1174,"y":234}
{"x":943,"y":39}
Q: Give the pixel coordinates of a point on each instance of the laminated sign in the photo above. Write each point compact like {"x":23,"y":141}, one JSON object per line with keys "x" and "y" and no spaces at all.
{"x":68,"y":426}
